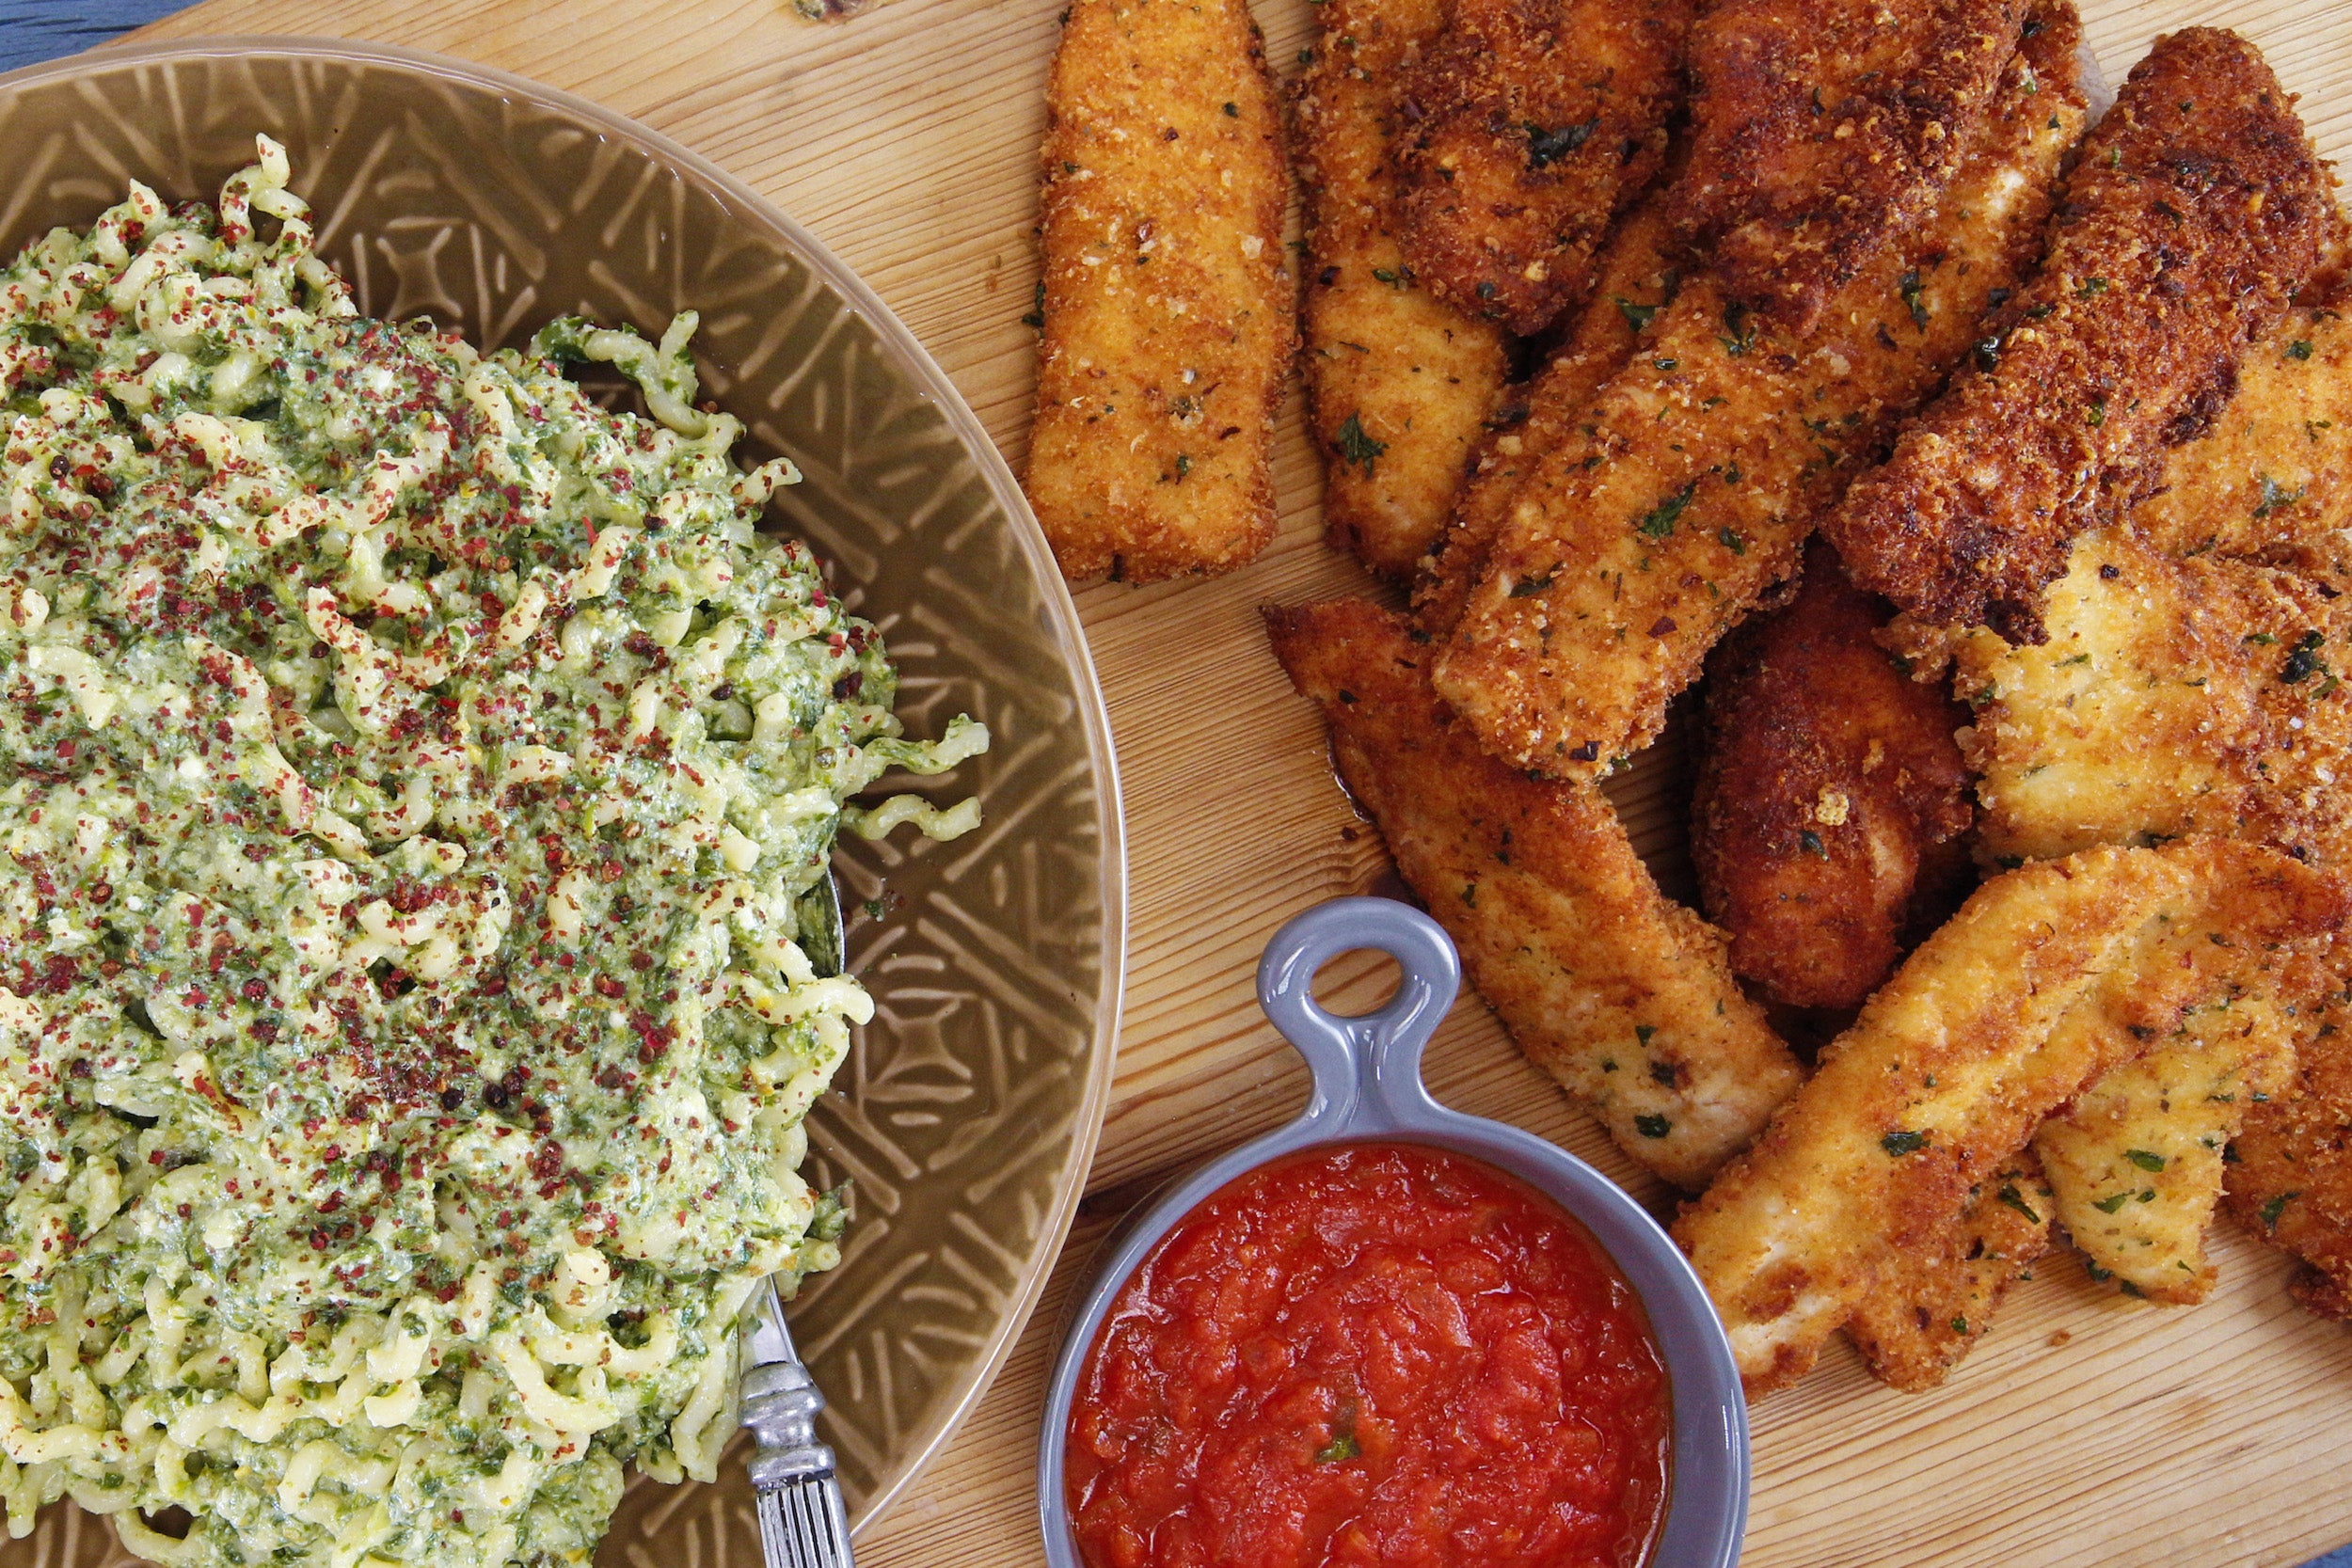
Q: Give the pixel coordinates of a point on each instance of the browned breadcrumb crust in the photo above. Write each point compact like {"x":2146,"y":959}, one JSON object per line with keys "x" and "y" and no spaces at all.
{"x":1618,"y":993}
{"x":2290,"y":1182}
{"x":1401,"y":384}
{"x":1825,"y":828}
{"x":1934,"y":1302}
{"x":2272,"y":479}
{"x":1688,"y":491}
{"x":2198,"y":695}
{"x":2172,"y":697}
{"x":2195,"y":212}
{"x":2047,"y":979}
{"x":2134,"y":1164}
{"x":1822,"y":128}
{"x":2320,"y":1294}
{"x":1168,"y":313}
{"x":1528,"y":125}
{"x":1635,"y":279}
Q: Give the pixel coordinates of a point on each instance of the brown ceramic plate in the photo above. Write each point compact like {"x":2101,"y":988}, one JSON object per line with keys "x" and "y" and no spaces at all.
{"x":967,"y":1113}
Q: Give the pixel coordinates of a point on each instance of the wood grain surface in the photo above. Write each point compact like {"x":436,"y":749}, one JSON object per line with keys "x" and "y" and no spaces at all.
{"x":2086,"y":1430}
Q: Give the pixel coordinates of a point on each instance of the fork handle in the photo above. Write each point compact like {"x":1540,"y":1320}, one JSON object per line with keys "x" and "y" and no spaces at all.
{"x":802,"y":1523}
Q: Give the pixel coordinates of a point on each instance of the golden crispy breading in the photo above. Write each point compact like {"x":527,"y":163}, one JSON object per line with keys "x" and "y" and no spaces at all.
{"x":1635,"y":280}
{"x":2135,"y":1163}
{"x":2320,"y":1294}
{"x":1528,"y":125}
{"x":1169,"y":316}
{"x":2173,"y":697}
{"x":2273,"y":478}
{"x":1401,"y":383}
{"x":1939,"y":1298}
{"x":2047,"y":979}
{"x":1622,"y":996}
{"x":2291,"y":1181}
{"x":2195,"y":212}
{"x":1830,"y":799}
{"x":1630,"y":551}
{"x":1824,"y":129}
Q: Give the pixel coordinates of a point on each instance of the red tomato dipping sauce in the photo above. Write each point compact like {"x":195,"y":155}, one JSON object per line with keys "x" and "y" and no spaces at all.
{"x":1370,"y":1355}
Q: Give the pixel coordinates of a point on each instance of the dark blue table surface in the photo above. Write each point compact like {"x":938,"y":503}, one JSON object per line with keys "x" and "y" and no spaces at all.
{"x":32,"y":30}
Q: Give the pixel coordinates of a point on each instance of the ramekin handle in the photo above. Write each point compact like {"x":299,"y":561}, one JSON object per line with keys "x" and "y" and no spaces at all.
{"x":1366,"y":1069}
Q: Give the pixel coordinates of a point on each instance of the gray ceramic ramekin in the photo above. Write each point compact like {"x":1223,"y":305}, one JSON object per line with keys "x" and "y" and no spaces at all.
{"x":1368,"y":1089}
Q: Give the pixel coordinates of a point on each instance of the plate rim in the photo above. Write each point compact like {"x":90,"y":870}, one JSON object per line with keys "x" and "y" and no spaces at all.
{"x":915,"y":362}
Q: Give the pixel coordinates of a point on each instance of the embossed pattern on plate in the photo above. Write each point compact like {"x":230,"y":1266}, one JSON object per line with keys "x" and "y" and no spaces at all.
{"x":967,"y":1112}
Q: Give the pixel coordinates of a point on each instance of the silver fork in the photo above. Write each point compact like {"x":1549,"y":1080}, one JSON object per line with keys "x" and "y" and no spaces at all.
{"x":801,"y":1521}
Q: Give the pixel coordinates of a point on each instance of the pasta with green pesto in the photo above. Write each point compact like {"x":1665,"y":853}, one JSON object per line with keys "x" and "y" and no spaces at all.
{"x":417,"y":786}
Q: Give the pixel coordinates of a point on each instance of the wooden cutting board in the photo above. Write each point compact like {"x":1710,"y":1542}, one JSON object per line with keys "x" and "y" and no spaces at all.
{"x":2086,"y":1430}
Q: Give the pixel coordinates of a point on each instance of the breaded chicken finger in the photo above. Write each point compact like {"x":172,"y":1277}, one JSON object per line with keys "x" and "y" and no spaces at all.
{"x":1529,"y":124}
{"x":1622,"y":996}
{"x":1824,"y":129}
{"x":1635,"y":280}
{"x":2048,"y":978}
{"x":2273,"y":478}
{"x":1401,"y":383}
{"x":1831,"y":797}
{"x":2184,"y":696}
{"x":1168,"y":314}
{"x":1631,"y":549}
{"x":1927,"y":1313}
{"x":2173,"y":697}
{"x":2292,"y":1183}
{"x":2134,"y":1164}
{"x":2196,"y":211}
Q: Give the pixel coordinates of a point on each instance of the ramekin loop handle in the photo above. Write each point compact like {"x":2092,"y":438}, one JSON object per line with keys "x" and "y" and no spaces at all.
{"x":1367,"y":1069}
